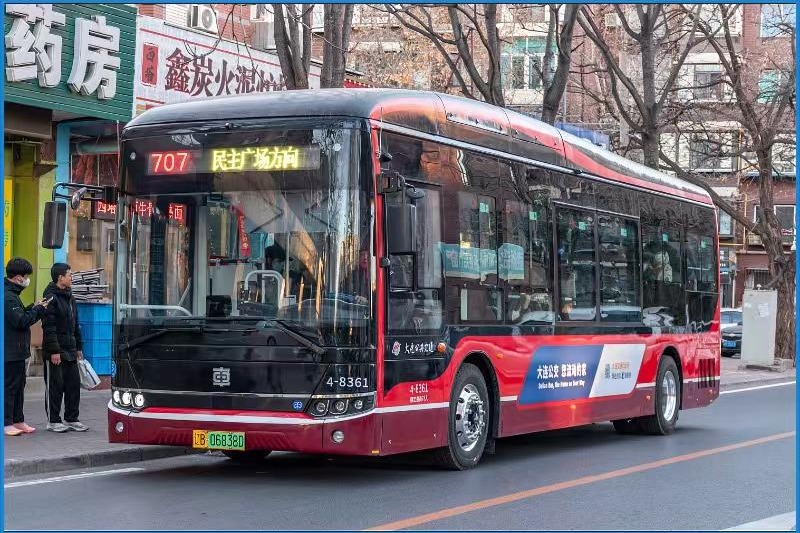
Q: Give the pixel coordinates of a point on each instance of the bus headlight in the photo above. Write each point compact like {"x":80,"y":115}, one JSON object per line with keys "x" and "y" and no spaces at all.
{"x":138,"y":400}
{"x":339,"y":407}
{"x":320,"y":408}
{"x":332,"y":406}
{"x":126,"y":398}
{"x":115,"y":396}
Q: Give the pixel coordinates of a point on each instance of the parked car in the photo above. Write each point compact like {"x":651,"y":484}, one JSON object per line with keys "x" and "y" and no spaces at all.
{"x":729,"y":318}
{"x":732,"y":340}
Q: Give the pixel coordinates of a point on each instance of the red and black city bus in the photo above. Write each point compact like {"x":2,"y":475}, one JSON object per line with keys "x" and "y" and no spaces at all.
{"x":372,"y":272}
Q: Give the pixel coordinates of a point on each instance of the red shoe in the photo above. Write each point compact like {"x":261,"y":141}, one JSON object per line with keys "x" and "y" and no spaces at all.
{"x":24,"y":427}
{"x":11,"y":431}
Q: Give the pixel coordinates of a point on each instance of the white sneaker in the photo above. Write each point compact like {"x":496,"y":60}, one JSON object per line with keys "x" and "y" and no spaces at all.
{"x":58,"y":427}
{"x":76,"y":426}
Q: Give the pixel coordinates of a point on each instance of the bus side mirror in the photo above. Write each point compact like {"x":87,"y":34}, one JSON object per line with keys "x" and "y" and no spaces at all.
{"x":55,"y":223}
{"x":401,"y":228}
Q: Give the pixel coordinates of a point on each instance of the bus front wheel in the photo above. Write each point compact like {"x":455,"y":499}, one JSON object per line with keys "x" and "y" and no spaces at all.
{"x":468,"y":421}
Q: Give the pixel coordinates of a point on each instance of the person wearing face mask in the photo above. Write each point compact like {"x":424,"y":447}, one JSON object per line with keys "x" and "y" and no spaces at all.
{"x":17,"y":343}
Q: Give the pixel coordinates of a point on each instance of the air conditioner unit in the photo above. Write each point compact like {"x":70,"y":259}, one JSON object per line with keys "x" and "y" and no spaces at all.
{"x":263,"y":34}
{"x":203,"y":18}
{"x":611,"y":20}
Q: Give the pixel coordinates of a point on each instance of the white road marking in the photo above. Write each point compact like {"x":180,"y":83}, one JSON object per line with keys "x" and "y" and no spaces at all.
{"x":70,"y":477}
{"x":760,"y":387}
{"x":781,"y":522}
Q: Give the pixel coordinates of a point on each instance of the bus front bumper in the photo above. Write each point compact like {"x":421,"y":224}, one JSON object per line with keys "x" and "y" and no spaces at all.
{"x":263,"y":431}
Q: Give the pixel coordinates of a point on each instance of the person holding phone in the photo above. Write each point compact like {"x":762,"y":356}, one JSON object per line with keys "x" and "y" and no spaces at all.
{"x":62,"y":347}
{"x":18,"y":320}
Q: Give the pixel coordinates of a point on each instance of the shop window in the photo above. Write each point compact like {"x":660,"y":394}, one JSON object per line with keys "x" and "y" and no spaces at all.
{"x":91,"y":227}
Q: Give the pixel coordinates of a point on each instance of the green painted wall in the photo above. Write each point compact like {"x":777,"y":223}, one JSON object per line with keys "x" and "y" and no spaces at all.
{"x":26,"y":199}
{"x":61,"y":98}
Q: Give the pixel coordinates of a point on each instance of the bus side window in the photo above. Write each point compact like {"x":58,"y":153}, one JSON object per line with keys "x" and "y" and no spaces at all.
{"x":662,"y":227}
{"x":701,"y":262}
{"x":415,"y":281}
{"x":576,"y":264}
{"x":619,"y":269}
{"x":524,"y":262}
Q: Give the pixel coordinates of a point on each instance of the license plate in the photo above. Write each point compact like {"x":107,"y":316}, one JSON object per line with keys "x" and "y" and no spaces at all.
{"x":729,"y":344}
{"x":217,"y":440}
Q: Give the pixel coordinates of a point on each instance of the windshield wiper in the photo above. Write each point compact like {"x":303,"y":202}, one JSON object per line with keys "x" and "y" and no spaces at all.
{"x":311,"y":345}
{"x":150,"y":336}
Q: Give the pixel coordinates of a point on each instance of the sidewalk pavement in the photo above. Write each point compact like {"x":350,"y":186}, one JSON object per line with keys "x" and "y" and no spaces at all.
{"x":45,"y":451}
{"x":731,"y":376}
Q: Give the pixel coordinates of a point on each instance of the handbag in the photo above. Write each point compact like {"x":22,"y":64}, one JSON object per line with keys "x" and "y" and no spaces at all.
{"x":89,"y":379}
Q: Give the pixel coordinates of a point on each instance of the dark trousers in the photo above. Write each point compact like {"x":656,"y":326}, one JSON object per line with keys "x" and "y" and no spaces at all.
{"x":62,"y":380}
{"x":14,"y":392}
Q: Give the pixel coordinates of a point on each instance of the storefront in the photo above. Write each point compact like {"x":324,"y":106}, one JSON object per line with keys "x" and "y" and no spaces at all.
{"x":68,"y":91}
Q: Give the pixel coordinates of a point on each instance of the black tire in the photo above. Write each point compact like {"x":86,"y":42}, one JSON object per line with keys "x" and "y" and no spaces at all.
{"x":658,"y":423}
{"x":469,"y":381}
{"x":249,"y":457}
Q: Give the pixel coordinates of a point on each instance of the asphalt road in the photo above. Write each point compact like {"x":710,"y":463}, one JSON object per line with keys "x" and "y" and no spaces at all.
{"x":726,"y":465}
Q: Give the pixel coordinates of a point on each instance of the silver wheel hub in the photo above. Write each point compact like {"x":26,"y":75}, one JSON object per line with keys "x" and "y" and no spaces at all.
{"x":669,"y":393}
{"x":470,"y":419}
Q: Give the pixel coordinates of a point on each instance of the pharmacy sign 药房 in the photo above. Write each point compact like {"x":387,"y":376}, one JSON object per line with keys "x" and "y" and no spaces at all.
{"x":74,"y":58}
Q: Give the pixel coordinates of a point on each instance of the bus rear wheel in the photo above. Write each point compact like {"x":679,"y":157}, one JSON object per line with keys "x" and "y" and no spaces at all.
{"x":249,"y":457}
{"x":468,"y":421}
{"x":668,"y":400}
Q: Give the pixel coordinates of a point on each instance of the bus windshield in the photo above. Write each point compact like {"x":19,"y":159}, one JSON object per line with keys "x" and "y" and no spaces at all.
{"x":268,"y":225}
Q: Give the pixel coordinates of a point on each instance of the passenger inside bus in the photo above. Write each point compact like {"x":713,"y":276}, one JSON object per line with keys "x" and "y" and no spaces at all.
{"x":657,"y":265}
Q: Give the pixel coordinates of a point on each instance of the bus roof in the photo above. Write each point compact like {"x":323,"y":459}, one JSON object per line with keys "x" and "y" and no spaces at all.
{"x":432,"y":113}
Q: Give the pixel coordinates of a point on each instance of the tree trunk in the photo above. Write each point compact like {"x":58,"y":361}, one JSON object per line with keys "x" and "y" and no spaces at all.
{"x":651,"y":139}
{"x":554,"y":93}
{"x":785,"y":330}
{"x":493,"y":37}
{"x":288,"y":48}
{"x":781,"y":265}
{"x":650,"y":134}
{"x":338,"y":22}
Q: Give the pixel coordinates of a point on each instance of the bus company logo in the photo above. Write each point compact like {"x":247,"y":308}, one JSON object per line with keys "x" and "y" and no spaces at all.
{"x":618,"y":370}
{"x":297,"y":405}
{"x":221,"y":376}
{"x":396,"y":348}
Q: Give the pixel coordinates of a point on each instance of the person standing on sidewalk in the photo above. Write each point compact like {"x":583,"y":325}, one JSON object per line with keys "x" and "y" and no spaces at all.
{"x":62,"y":347}
{"x":17,"y":343}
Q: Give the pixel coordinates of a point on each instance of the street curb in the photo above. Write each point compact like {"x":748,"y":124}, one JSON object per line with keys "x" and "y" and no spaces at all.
{"x":27,"y":467}
{"x":756,"y":382}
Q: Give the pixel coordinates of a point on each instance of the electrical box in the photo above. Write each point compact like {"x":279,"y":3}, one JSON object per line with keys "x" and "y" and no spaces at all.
{"x":759,"y":313}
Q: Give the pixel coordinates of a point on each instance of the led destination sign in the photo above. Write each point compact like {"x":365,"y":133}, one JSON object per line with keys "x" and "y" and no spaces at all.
{"x":234,"y":159}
